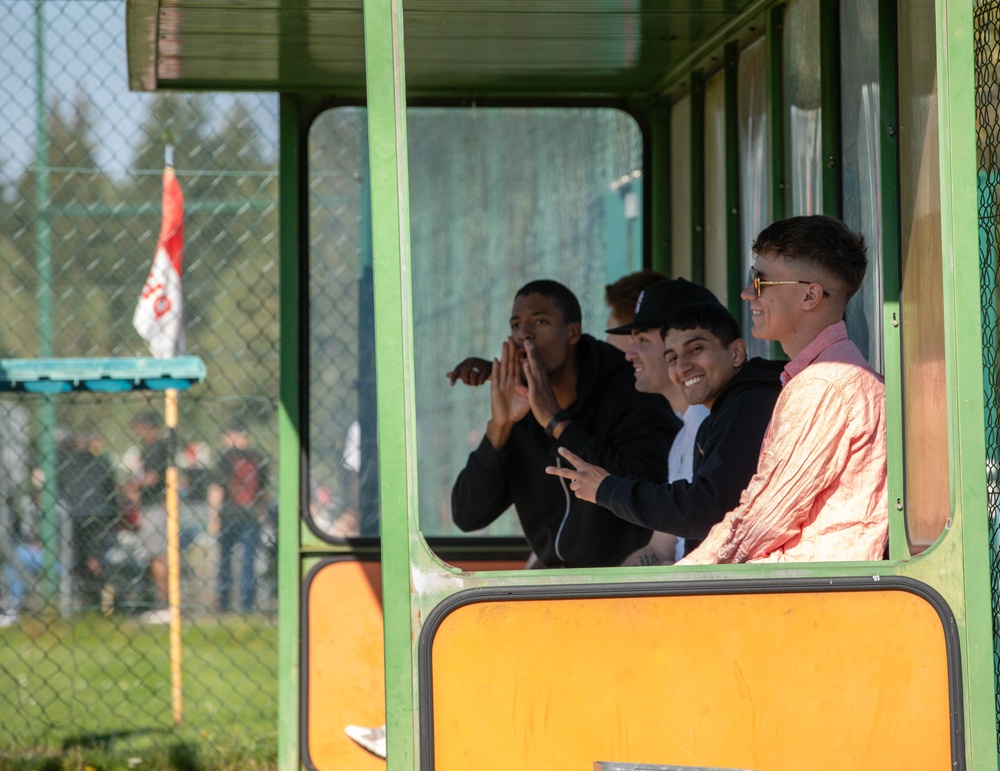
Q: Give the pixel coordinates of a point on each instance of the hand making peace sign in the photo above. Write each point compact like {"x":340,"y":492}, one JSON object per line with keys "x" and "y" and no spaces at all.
{"x":584,"y":479}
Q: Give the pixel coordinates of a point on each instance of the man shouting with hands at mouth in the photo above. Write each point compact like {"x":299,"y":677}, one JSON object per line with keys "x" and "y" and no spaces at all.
{"x":553,"y":387}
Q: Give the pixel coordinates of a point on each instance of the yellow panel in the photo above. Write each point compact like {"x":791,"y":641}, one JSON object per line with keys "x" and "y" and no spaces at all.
{"x":345,"y":680}
{"x":777,"y":682}
{"x":344,"y":663}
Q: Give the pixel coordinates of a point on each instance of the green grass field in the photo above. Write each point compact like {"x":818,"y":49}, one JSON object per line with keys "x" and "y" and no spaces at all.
{"x":95,"y":693}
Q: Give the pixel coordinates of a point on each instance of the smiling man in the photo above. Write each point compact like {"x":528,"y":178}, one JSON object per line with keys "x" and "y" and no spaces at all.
{"x":644,"y":349}
{"x":706,"y":358}
{"x":819,"y":492}
{"x":553,"y":387}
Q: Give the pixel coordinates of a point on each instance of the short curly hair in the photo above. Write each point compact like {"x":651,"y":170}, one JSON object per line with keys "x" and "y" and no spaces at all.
{"x":623,"y":295}
{"x":564,"y":299}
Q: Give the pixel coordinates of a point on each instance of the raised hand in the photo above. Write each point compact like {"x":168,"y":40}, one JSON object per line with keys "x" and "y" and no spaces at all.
{"x":540,"y":394}
{"x":472,"y":371}
{"x":584,"y":478}
{"x":508,"y":395}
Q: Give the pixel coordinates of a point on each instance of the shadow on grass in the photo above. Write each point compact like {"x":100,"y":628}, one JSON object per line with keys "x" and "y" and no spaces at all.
{"x":102,"y":740}
{"x":184,"y":757}
{"x":180,"y":756}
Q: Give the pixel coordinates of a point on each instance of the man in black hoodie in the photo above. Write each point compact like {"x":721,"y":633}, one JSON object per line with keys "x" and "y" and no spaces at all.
{"x":554,"y":387}
{"x":708,"y":362}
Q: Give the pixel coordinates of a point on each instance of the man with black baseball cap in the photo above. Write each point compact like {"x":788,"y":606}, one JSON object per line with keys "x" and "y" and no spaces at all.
{"x":661,"y":298}
{"x":652,"y":375}
{"x":644,"y":350}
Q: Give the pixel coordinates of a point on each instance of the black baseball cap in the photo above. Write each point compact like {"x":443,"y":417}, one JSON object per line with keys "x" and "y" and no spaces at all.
{"x":658,"y":301}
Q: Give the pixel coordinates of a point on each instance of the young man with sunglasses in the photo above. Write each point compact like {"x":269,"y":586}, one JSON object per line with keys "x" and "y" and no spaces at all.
{"x":819,"y":492}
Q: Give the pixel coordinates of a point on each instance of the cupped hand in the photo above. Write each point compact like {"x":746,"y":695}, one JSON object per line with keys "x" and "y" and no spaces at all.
{"x":541,"y":397}
{"x":508,"y":395}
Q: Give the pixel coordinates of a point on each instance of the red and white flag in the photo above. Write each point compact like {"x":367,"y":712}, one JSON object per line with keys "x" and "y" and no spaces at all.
{"x":159,"y":314}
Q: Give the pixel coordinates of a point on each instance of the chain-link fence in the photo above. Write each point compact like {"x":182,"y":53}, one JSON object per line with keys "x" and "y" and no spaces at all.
{"x":987,"y":50}
{"x":85,"y":664}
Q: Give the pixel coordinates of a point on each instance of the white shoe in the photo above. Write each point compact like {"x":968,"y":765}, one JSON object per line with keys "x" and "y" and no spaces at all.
{"x":372,"y":739}
{"x":160,"y":616}
{"x":8,"y":618}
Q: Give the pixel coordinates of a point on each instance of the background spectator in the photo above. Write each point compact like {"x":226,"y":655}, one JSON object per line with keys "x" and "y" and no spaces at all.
{"x":237,"y":501}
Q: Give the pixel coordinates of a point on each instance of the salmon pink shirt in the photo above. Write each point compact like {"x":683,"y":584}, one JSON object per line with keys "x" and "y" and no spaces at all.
{"x":819,"y":493}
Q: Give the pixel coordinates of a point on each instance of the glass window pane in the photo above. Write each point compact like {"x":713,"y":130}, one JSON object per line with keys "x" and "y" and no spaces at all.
{"x":860,"y":142}
{"x":755,"y":207}
{"x":343,"y":468}
{"x":680,"y":188}
{"x":921,"y":300}
{"x":715,"y":184}
{"x":800,"y":46}
{"x":498,"y":197}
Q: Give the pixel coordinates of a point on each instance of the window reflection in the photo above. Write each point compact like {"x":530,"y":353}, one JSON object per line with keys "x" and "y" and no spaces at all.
{"x":716,"y":253}
{"x":861,"y":166}
{"x":755,"y":212}
{"x":680,"y":188}
{"x":921,"y":299}
{"x":498,"y":197}
{"x":802,"y":92}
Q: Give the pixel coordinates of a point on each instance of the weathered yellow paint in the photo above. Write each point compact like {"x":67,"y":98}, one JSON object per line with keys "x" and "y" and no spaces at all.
{"x":775,"y":682}
{"x":343,"y":662}
{"x":346,"y":680}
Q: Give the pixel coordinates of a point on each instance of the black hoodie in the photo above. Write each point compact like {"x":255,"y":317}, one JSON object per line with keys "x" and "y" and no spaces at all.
{"x":612,"y":426}
{"x":726,"y":452}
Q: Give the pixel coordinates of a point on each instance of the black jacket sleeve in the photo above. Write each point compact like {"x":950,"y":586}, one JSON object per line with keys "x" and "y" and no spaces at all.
{"x":729,"y":446}
{"x":480,"y":494}
{"x":644,"y":429}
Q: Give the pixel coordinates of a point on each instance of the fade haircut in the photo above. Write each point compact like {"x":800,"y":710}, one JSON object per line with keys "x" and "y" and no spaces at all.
{"x":564,"y":299}
{"x":821,"y":241}
{"x":712,"y":317}
{"x":623,"y":295}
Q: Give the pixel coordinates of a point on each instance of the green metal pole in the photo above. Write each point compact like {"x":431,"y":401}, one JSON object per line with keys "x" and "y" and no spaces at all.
{"x":292,"y":242}
{"x":960,"y":279}
{"x":49,"y":530}
{"x":386,"y":93}
{"x":888,"y":52}
{"x":829,"y":36}
{"x":658,"y":188}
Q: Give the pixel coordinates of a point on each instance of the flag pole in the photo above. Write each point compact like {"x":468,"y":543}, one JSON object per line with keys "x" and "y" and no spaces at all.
{"x":159,"y":320}
{"x":170,"y":409}
{"x":173,"y":556}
